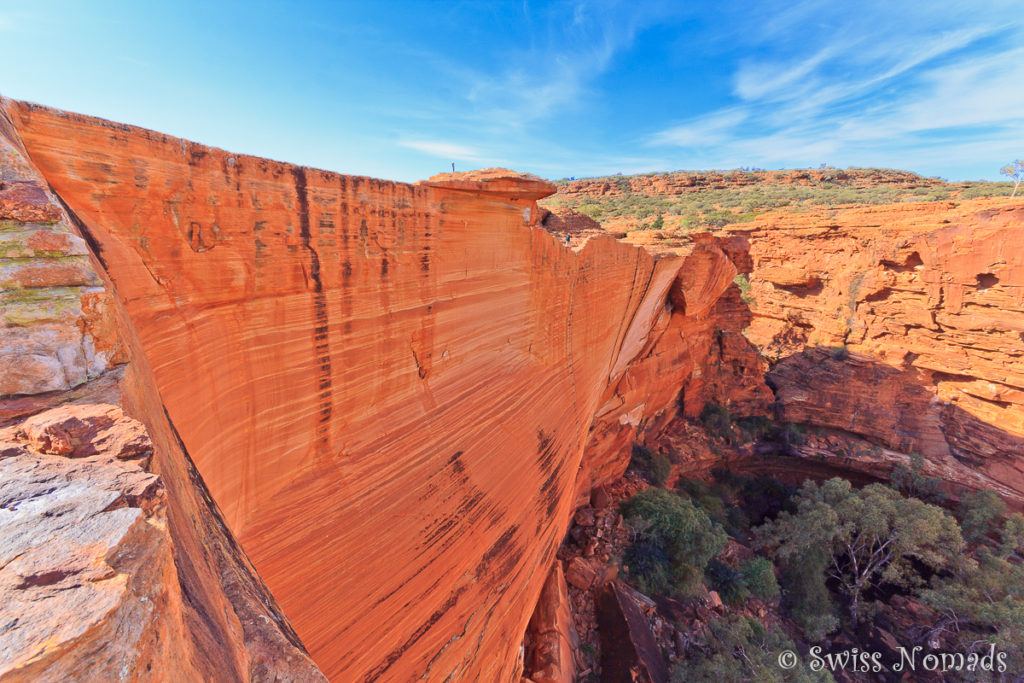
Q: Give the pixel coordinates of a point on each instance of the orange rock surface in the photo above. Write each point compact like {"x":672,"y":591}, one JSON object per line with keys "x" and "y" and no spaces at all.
{"x":922,"y":308}
{"x":384,"y":401}
{"x":387,"y":388}
{"x":107,"y":570}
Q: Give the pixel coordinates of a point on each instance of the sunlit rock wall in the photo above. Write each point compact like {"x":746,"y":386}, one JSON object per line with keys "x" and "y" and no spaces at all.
{"x":903,"y":324}
{"x":107,"y":570}
{"x":386,"y":388}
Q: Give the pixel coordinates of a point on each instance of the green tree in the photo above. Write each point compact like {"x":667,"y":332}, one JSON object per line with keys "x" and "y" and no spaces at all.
{"x":983,"y":605}
{"x":869,"y":536}
{"x":1015,"y":172}
{"x":1013,"y":538}
{"x":739,"y":648}
{"x":805,"y":596}
{"x":672,"y":542}
{"x":759,"y":576}
{"x":978,"y":510}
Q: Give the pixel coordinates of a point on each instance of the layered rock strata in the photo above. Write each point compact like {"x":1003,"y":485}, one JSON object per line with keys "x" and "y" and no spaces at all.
{"x":387,"y":389}
{"x":107,"y":570}
{"x":903,"y":325}
{"x":385,"y":400}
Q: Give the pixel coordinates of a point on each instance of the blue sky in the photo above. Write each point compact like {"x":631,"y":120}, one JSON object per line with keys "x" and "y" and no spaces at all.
{"x":402,"y":89}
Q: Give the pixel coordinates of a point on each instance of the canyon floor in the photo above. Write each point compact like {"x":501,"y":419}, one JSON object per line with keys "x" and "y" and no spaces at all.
{"x":265,"y":422}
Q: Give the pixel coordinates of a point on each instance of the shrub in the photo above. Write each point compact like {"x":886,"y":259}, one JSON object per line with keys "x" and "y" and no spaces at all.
{"x":765,"y":497}
{"x":701,"y":495}
{"x":656,"y":467}
{"x":717,"y":420}
{"x":793,"y":434}
{"x":755,"y":428}
{"x":743,"y":282}
{"x":673,"y":540}
{"x":727,"y":580}
{"x":714,"y":500}
{"x":740,"y":648}
{"x":661,"y":468}
{"x":736,"y":522}
{"x":978,"y":511}
{"x":910,"y":481}
{"x":759,"y":578}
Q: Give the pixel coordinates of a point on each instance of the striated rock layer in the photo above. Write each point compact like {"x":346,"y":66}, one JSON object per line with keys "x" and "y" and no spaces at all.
{"x":107,"y":570}
{"x":385,"y":400}
{"x":901,"y":324}
{"x":386,"y":388}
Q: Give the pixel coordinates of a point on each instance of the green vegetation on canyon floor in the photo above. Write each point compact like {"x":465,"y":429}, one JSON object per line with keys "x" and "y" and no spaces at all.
{"x":827,"y":564}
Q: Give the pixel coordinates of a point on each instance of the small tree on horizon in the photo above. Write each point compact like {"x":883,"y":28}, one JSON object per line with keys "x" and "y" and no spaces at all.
{"x":1015,"y":172}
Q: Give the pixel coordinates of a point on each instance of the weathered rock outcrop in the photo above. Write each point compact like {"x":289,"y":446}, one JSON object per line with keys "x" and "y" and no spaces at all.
{"x":903,"y":324}
{"x":387,"y":389}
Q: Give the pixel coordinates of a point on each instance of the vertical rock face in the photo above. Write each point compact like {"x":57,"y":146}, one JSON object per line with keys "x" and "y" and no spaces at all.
{"x":102,"y":574}
{"x":903,"y":324}
{"x":386,"y":388}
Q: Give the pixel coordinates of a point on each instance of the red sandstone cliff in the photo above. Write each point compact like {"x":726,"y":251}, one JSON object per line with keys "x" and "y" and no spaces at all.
{"x":902,"y":324}
{"x":388,"y":398}
{"x":107,"y":570}
{"x":387,"y":389}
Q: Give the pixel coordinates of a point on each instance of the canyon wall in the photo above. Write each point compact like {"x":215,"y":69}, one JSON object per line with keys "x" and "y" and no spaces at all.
{"x":386,"y":389}
{"x":902,"y":325}
{"x":107,"y":569}
{"x":369,"y":409}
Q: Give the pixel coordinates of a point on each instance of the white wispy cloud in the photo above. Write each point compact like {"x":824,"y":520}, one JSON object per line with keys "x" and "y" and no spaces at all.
{"x":446,"y":150}
{"x":755,"y":80}
{"x":711,"y":129}
{"x":885,"y":93}
{"x":557,"y":71}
